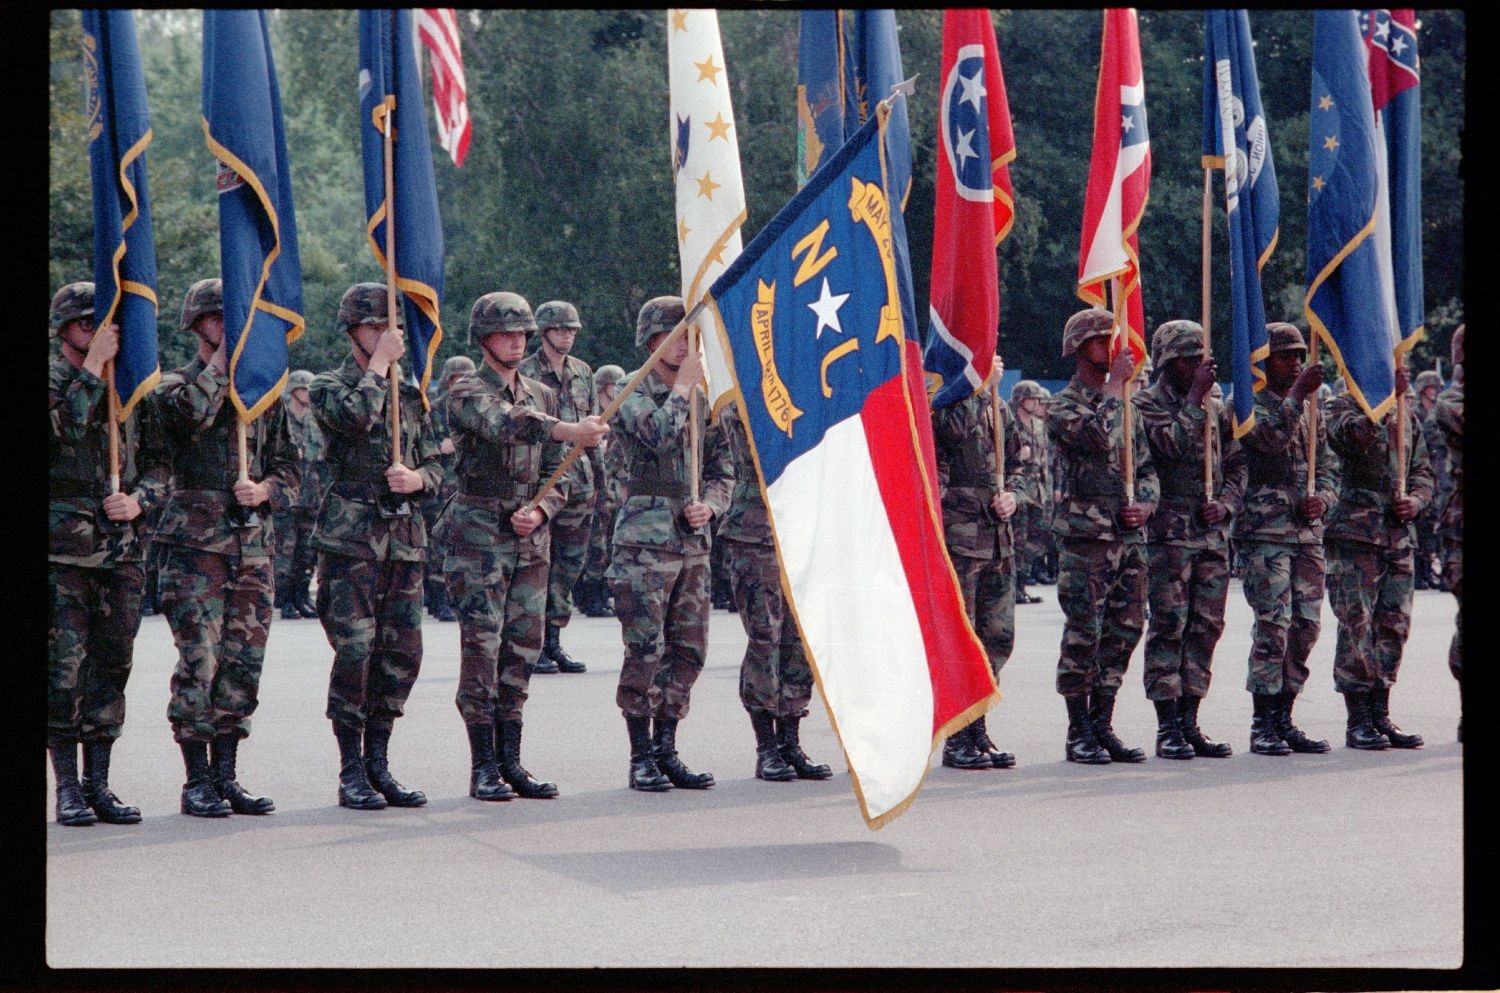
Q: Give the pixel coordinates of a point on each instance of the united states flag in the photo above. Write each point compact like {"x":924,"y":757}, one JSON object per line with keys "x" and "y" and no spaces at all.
{"x":438,"y":29}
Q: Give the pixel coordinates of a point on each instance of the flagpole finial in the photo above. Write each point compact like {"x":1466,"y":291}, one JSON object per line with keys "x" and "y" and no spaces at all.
{"x":906,"y":88}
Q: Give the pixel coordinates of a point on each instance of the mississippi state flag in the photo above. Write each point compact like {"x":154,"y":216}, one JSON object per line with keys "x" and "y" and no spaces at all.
{"x":811,"y":317}
{"x":974,"y":209}
{"x":1119,"y":180}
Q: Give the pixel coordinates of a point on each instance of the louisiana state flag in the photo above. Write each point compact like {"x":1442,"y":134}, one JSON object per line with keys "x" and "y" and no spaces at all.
{"x":811,"y":317}
{"x":258,"y":257}
{"x":974,"y":210}
{"x":119,"y":128}
{"x":390,"y":84}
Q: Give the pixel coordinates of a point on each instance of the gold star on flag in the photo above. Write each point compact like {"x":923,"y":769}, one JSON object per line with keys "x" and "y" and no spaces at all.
{"x":1325,"y":102}
{"x":1331,"y":142}
{"x":1318,"y":182}
{"x":718,"y":127}
{"x":706,"y":186}
{"x":707,"y":70}
{"x":717,"y":256}
{"x":683,"y":230}
{"x":679,"y":20}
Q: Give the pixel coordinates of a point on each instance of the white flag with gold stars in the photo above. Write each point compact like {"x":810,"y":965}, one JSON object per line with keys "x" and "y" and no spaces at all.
{"x":706,"y":169}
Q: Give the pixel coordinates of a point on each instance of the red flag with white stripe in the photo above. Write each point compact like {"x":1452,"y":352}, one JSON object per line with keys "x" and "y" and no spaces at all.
{"x":438,"y":29}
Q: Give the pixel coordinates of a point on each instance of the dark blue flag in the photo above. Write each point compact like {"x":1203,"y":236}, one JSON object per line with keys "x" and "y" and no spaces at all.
{"x":258,"y":257}
{"x":124,"y":250}
{"x":1235,"y":140}
{"x":390,"y":83}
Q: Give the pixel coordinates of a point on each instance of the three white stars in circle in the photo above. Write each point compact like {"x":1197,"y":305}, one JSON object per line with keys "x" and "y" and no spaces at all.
{"x":827,"y":308}
{"x":974,"y":92}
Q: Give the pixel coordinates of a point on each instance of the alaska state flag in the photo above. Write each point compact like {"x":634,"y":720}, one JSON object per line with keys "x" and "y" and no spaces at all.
{"x":811,"y":317}
{"x":1235,"y":140}
{"x":389,"y":83}
{"x":974,"y":208}
{"x":258,"y":257}
{"x":119,"y":128}
{"x":1350,"y":303}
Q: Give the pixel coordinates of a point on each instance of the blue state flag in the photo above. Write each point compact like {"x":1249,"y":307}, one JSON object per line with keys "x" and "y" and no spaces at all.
{"x":1346,"y":300}
{"x":119,"y":129}
{"x":258,"y":258}
{"x":1235,"y":139}
{"x":391,"y":84}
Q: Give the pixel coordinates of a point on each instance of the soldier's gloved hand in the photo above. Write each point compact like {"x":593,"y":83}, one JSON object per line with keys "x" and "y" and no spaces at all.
{"x":1312,"y":508}
{"x":1133,"y":516}
{"x":1003,"y":504}
{"x":1407,"y":508}
{"x":121,"y":507}
{"x":403,"y":480}
{"x":1308,"y":381}
{"x":251,"y":494}
{"x":1212,"y":512}
{"x":697,"y":514}
{"x":523,"y":522}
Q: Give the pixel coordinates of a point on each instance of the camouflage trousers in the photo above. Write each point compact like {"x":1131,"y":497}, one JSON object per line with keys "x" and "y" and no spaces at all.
{"x":1370,"y":591}
{"x":774,"y":674}
{"x":661,"y":599}
{"x":989,"y":588}
{"x":1101,"y":587}
{"x":371,"y":612}
{"x":94,"y":615}
{"x":499,"y":594}
{"x":601,"y":537}
{"x":570,"y":546}
{"x":1284,"y":586}
{"x":1186,"y":589}
{"x":432,"y":567}
{"x":293,"y":529}
{"x":1032,"y":537}
{"x":219,"y":609}
{"x":1453,"y":570}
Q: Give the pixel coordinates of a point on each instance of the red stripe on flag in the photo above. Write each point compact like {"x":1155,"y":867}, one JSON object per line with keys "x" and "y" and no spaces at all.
{"x":438,"y":29}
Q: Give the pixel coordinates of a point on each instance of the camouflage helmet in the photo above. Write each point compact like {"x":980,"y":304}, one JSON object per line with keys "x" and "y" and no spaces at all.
{"x":299,"y":379}
{"x":1426,"y":379}
{"x":659,"y":314}
{"x":364,"y":303}
{"x":1283,"y":337}
{"x":557,"y":314}
{"x":1026,"y":389}
{"x":459,"y":365}
{"x":1084,"y":325}
{"x":496,"y":312}
{"x":1176,"y":340}
{"x":607,"y":375}
{"x":69,"y":304}
{"x":206,"y":296}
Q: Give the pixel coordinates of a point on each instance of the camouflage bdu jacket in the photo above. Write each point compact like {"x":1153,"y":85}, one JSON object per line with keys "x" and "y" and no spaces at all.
{"x":78,"y":473}
{"x":504,"y":452}
{"x":746,"y":519}
{"x":311,"y":448}
{"x":652,"y":432}
{"x":1448,"y":416}
{"x":1035,"y":484}
{"x":1276,"y":458}
{"x":352,"y":409}
{"x":1174,"y":429}
{"x":437,"y":416}
{"x":196,"y":424}
{"x":1367,"y":455}
{"x":964,"y":438}
{"x":1086,"y":427}
{"x":577,"y":398}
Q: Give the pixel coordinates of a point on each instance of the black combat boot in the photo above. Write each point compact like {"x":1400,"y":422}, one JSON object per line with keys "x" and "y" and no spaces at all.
{"x":982,"y":742}
{"x":224,"y":752}
{"x":305,"y":605}
{"x":1023,"y":597}
{"x":1380,"y":716}
{"x":553,"y":649}
{"x":508,"y":738}
{"x":96,"y":791}
{"x":484,"y":775}
{"x":1203,"y":746}
{"x":1360,"y":731}
{"x":1102,"y":717}
{"x":199,"y":798}
{"x":355,"y":791}
{"x":1291,"y":733}
{"x":285,"y":603}
{"x":72,"y":810}
{"x":769,"y":765}
{"x":788,"y":736}
{"x":1265,"y":731}
{"x":1170,"y":744}
{"x":664,"y":747}
{"x":1082,"y":745}
{"x":959,"y":751}
{"x":544,"y":661}
{"x":442,"y":607}
{"x":644,"y":774}
{"x":377,"y":767}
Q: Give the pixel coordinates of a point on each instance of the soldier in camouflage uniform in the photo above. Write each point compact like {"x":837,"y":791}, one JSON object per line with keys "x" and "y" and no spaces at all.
{"x":216,"y":546}
{"x":434,"y":587}
{"x":1101,"y":581}
{"x":775,"y":678}
{"x":591,"y":591}
{"x":1032,"y":524}
{"x":293,"y":527}
{"x":94,"y":574}
{"x":659,"y":564}
{"x":1188,"y":536}
{"x":977,"y":523}
{"x":554,"y":366}
{"x":1371,"y":540}
{"x":371,"y":542}
{"x":1448,"y":415}
{"x":1429,"y":545}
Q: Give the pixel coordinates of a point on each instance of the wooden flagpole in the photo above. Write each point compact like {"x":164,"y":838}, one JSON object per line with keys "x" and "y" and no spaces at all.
{"x":1128,"y":455}
{"x":695,"y":430}
{"x":997,"y":428}
{"x":114,"y":427}
{"x":1401,"y":442}
{"x":1208,"y":405}
{"x":393,"y":374}
{"x":1312,"y":425}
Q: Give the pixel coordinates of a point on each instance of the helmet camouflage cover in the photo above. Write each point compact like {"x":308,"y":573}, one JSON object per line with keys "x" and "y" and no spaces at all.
{"x":300,"y":379}
{"x":458,"y":365}
{"x":1082,"y":326}
{"x":1283,"y":337}
{"x":557,"y":314}
{"x":206,"y":296}
{"x":69,"y":304}
{"x":657,"y":315}
{"x":364,"y":303}
{"x":1026,"y":389}
{"x":1428,"y":378}
{"x":1177,"y":340}
{"x":608,"y":375}
{"x":496,"y":312}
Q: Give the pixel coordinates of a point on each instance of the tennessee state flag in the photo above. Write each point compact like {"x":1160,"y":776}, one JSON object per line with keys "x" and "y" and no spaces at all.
{"x":811,"y":317}
{"x":974,"y":210}
{"x":1119,"y":181}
